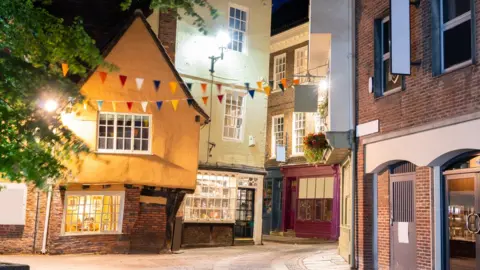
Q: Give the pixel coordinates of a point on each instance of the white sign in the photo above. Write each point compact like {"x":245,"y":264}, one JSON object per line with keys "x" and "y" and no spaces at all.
{"x":280,"y":153}
{"x":403,"y":232}
{"x":400,"y":37}
{"x":367,"y":128}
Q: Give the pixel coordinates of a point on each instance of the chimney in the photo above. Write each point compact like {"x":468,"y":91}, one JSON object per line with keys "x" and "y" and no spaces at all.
{"x":167,"y":32}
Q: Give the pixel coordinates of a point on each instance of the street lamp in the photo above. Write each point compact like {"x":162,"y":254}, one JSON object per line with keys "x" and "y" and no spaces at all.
{"x":323,"y":84}
{"x":222,"y":40}
{"x":50,"y":105}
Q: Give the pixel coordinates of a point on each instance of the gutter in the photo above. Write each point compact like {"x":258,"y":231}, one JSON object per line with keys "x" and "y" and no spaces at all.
{"x":47,"y":215}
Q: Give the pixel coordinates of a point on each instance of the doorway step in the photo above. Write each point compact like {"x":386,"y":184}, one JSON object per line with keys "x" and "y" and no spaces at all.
{"x":243,"y":242}
{"x":294,"y":240}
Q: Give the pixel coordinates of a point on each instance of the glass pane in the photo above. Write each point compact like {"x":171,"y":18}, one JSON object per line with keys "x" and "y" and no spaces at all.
{"x":461,"y":203}
{"x":145,"y":145}
{"x":457,"y":47}
{"x":137,"y":132}
{"x":454,"y":8}
{"x":120,"y":144}
{"x":386,"y":37}
{"x":103,"y":118}
{"x":391,"y":81}
{"x":102,"y":131}
{"x":138,"y":121}
{"x":128,"y":144}
{"x":146,"y":121}
{"x":109,"y":143}
{"x":136,"y":144}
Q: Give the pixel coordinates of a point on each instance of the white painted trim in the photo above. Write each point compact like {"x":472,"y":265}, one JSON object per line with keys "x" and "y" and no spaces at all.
{"x":85,"y":193}
{"x":245,"y":33}
{"x":458,"y":66}
{"x":375,"y":221}
{"x":273,"y":146}
{"x":115,"y":151}
{"x":244,"y":109}
{"x":294,"y":136}
{"x":295,"y":61}
{"x":275,"y":82}
{"x":290,"y":38}
{"x":457,"y":21}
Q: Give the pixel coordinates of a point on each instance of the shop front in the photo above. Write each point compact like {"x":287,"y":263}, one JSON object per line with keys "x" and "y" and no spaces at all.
{"x":225,"y":207}
{"x":311,"y":201}
{"x":272,"y":201}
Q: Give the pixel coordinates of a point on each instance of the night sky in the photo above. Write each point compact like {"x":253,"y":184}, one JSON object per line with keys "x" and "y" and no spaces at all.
{"x":288,"y":13}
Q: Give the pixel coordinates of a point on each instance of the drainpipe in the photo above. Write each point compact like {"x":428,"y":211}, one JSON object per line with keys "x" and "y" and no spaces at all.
{"x":47,"y":215}
{"x":36,"y":223}
{"x":351,"y":25}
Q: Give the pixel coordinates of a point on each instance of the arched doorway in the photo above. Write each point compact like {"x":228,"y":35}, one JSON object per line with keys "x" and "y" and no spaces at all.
{"x":461,"y":187}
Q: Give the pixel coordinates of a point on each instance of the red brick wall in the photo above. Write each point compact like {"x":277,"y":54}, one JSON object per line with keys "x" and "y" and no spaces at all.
{"x":424,"y":217}
{"x":383,"y":220}
{"x":148,"y":233}
{"x":195,"y":234}
{"x":167,"y":33}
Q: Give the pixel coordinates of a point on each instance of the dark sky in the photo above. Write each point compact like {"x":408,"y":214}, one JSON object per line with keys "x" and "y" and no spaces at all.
{"x":288,"y":13}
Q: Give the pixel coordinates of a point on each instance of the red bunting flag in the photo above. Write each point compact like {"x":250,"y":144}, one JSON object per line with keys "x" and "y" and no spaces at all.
{"x":219,"y":87}
{"x":220,"y":98}
{"x":204,"y":87}
{"x":129,"y":105}
{"x":205,"y":100}
{"x":123,"y":79}
{"x":103,"y":76}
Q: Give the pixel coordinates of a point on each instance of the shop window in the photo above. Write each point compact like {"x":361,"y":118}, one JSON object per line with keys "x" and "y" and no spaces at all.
{"x":234,"y":117}
{"x":237,"y":28}
{"x":315,"y":199}
{"x":92,"y":212}
{"x":213,"y":200}
{"x":124,"y":133}
{"x":453,"y":27}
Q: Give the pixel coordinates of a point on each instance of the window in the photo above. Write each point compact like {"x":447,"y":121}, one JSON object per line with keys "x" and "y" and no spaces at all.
{"x":234,"y":116}
{"x":298,"y":132}
{"x":456,"y":33}
{"x":124,"y":133}
{"x":320,"y":125}
{"x":213,"y":200}
{"x":93,"y":212}
{"x":280,"y":66}
{"x":237,"y":28}
{"x":301,"y":63}
{"x":277,"y":133}
{"x":315,"y":199}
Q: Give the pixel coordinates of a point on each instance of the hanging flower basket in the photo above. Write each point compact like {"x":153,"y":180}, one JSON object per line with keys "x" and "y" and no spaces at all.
{"x":314,"y":145}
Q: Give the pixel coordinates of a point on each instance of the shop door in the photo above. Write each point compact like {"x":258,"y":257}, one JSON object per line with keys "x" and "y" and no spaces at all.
{"x":277,"y":204}
{"x":291,"y":204}
{"x":244,"y":213}
{"x":402,"y":220}
{"x":463,"y":220}
{"x":267,"y":206}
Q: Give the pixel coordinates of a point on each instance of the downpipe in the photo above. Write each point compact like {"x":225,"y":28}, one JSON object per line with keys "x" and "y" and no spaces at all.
{"x":47,"y":218}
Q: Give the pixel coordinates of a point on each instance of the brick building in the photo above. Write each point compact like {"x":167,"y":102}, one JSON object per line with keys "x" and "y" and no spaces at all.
{"x":122,"y":198}
{"x":417,"y":173}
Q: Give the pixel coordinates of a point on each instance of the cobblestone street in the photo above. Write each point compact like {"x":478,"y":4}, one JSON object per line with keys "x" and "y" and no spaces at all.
{"x":268,"y":256}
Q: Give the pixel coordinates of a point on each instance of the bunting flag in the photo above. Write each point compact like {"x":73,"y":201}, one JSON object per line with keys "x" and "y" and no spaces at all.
{"x":271,"y":84}
{"x":205,"y":100}
{"x":296,"y":82}
{"x":267,"y":90}
{"x":156,"y":84}
{"x":159,"y":105}
{"x":251,"y":92}
{"x":144,"y":105}
{"x":204,"y":87}
{"x":103,"y":76}
{"x":64,"y":69}
{"x":129,"y":105}
{"x":219,"y":87}
{"x":189,"y":86}
{"x":247,"y":85}
{"x":190,"y":101}
{"x":85,"y":105}
{"x":259,"y":84}
{"x":99,"y":104}
{"x":175,"y":104}
{"x":220,"y":98}
{"x":281,"y":86}
{"x":139,"y":82}
{"x":284,"y":83}
{"x":123,"y":79}
{"x":173,"y":87}
{"x":114,"y":106}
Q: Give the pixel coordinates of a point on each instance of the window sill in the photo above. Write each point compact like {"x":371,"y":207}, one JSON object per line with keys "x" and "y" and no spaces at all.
{"x":390,"y":92}
{"x":149,"y":153}
{"x":297,"y":155}
{"x":232,"y":140}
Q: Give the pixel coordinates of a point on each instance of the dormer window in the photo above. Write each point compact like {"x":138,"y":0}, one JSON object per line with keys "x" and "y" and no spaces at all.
{"x":124,"y":133}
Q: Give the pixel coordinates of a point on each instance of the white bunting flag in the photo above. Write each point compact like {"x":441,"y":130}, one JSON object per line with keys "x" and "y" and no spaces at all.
{"x":139,"y":83}
{"x":144,"y":105}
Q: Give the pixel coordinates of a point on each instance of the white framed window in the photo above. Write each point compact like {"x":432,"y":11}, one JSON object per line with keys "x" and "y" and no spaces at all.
{"x":93,"y":212}
{"x":279,"y":69}
{"x":456,"y":33}
{"x":320,"y":125}
{"x":237,"y":28}
{"x":234,"y":116}
{"x":389,"y":81}
{"x":301,"y":63}
{"x":298,"y":133}
{"x":277,"y":133}
{"x":124,"y":133}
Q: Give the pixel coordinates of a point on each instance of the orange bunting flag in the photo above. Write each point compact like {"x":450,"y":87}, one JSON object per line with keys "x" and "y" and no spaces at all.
{"x":296,"y":82}
{"x":220,"y":98}
{"x":259,"y":84}
{"x":173,"y":87}
{"x":175,"y":104}
{"x":103,"y":76}
{"x":85,"y":105}
{"x":65,"y":69}
{"x":267,"y":90}
{"x":219,"y":87}
{"x":284,"y":82}
{"x":123,"y":79}
{"x":204,"y":87}
{"x":205,"y":100}
{"x":114,"y":106}
{"x":129,"y":105}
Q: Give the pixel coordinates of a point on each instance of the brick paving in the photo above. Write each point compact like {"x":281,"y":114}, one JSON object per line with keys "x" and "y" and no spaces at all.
{"x":268,"y":256}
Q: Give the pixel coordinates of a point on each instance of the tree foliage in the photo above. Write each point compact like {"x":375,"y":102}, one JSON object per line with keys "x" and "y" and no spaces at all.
{"x":33,"y":45}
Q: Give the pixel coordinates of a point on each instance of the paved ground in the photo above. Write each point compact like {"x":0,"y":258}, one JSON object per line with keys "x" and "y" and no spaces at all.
{"x":268,"y":256}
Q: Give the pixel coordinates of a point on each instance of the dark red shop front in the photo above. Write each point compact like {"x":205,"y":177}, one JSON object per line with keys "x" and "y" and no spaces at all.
{"x":311,"y":203}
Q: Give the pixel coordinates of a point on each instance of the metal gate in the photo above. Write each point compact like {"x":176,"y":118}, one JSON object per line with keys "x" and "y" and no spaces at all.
{"x":403,"y":240}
